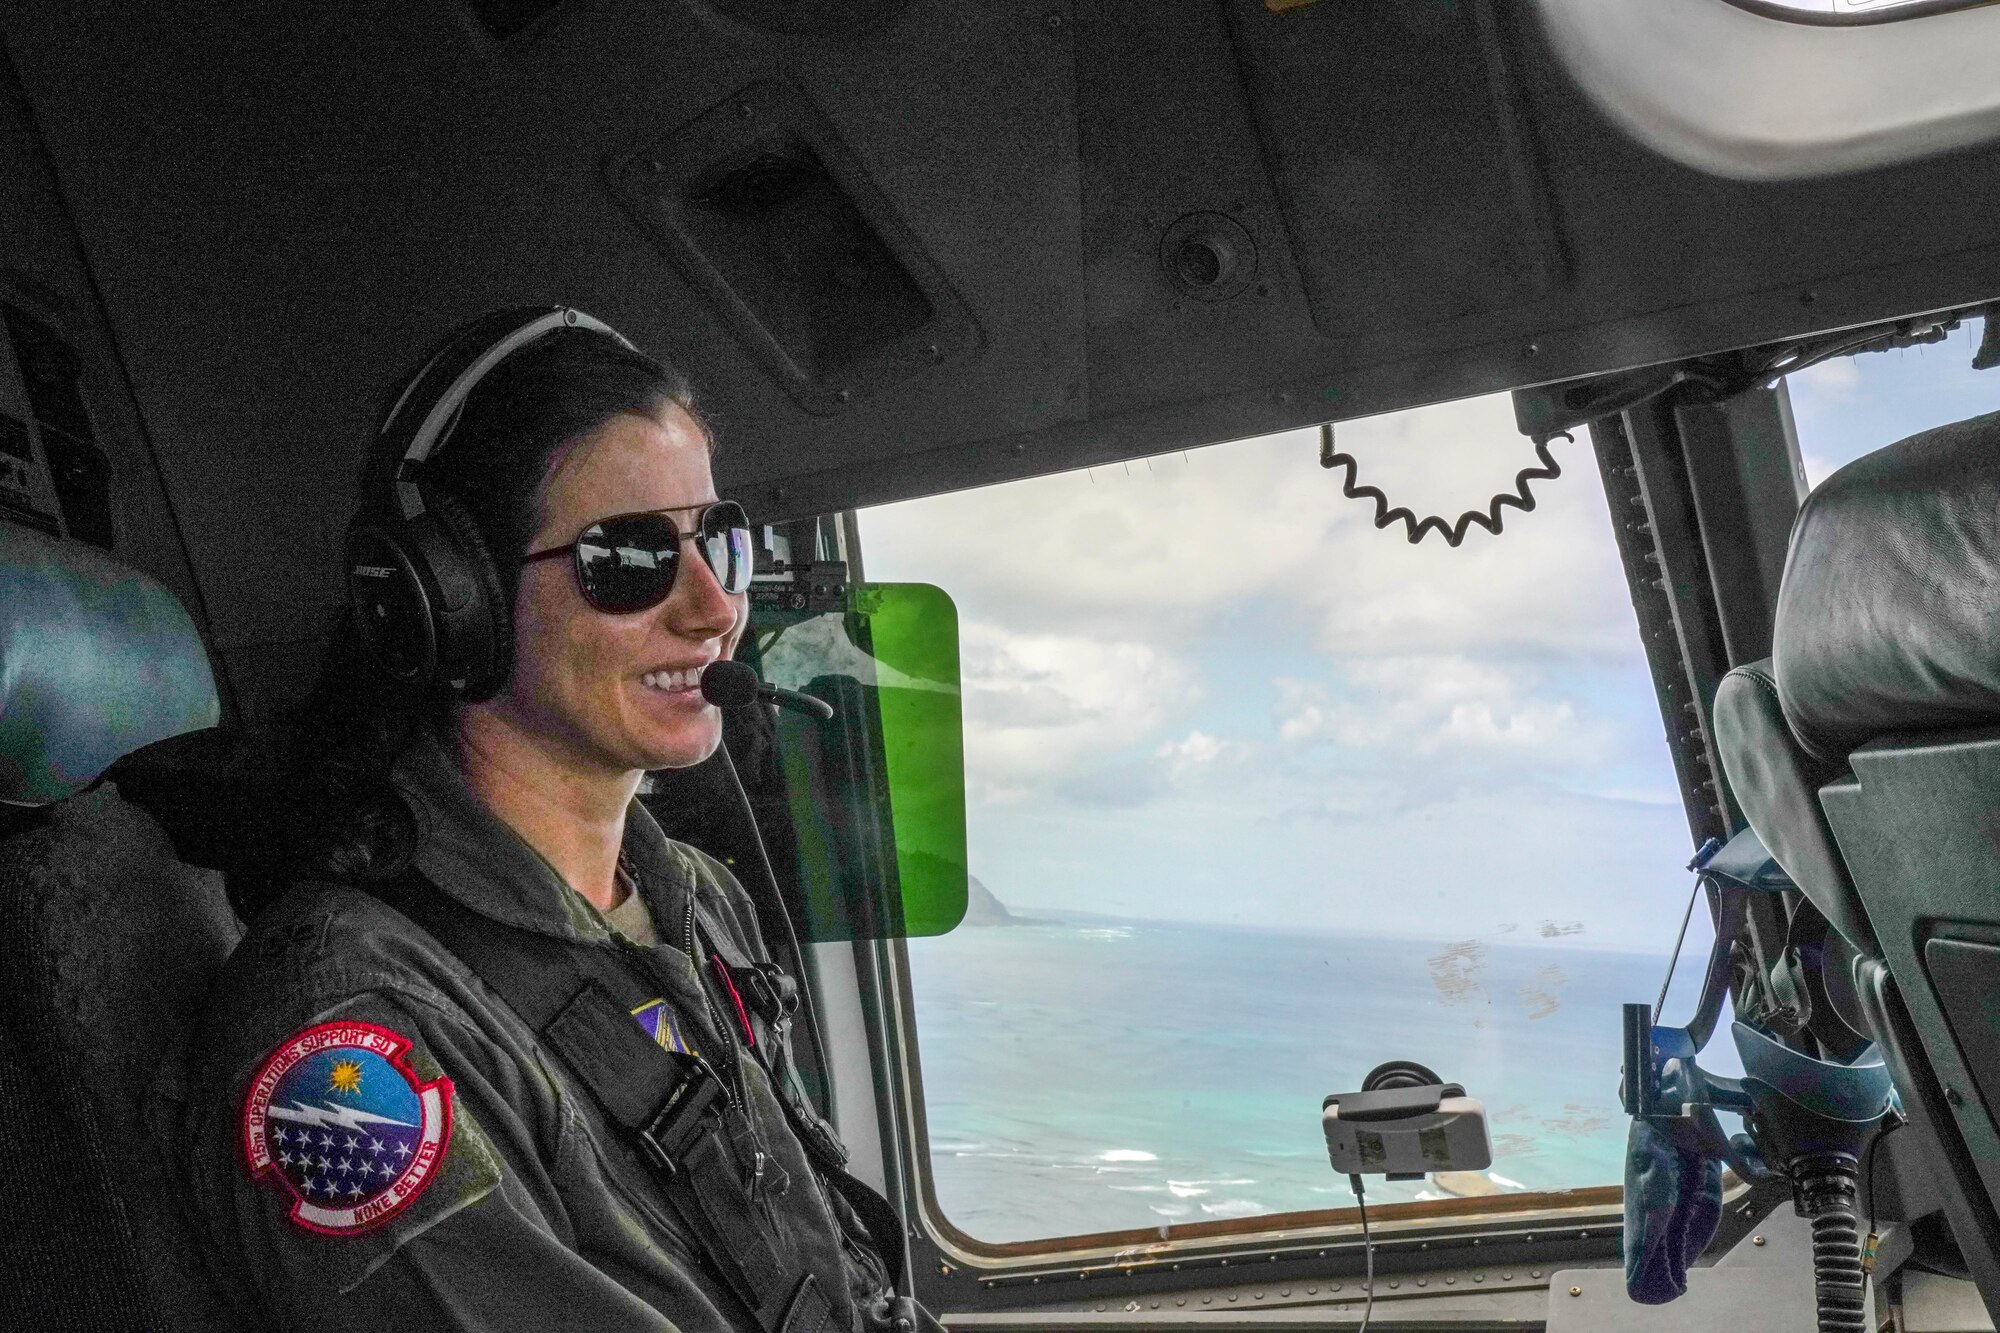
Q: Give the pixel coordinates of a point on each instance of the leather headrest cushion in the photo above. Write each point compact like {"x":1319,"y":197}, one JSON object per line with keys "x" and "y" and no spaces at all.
{"x":96,"y":660}
{"x":1889,"y":614}
{"x":1777,"y":784}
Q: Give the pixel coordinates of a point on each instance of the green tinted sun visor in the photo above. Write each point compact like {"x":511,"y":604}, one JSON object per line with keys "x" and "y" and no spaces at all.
{"x":877,"y":794}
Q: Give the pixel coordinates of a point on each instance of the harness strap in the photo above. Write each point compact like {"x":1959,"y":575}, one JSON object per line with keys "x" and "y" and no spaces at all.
{"x":580,"y":1003}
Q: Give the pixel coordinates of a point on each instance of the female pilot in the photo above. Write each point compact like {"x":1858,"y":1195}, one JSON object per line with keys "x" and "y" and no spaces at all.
{"x":494,"y":1060}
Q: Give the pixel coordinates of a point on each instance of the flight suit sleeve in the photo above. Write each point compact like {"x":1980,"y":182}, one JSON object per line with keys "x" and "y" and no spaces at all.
{"x":384,"y":1165}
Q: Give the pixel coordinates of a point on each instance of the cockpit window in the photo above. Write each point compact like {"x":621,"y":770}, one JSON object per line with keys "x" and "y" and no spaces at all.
{"x":1261,"y":796}
{"x":1854,"y":405}
{"x":1853,"y":11}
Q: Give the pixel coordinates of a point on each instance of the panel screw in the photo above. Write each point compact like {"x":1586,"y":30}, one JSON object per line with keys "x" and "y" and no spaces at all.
{"x":1756,"y":1240}
{"x":1953,"y":1095}
{"x":1576,"y":1291}
{"x":1053,"y":22}
{"x":1534,"y":1272}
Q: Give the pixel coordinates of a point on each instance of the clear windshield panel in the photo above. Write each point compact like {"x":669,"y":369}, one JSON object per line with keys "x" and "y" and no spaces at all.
{"x":1854,"y":405}
{"x":1260,"y":797}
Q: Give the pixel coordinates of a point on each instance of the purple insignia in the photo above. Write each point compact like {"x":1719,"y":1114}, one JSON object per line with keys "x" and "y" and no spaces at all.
{"x":656,"y":1020}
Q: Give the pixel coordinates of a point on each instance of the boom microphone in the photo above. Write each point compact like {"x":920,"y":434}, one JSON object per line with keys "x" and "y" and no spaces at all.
{"x":728,"y":684}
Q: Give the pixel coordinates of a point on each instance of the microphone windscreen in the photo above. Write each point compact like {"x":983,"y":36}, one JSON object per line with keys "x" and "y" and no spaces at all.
{"x":728,"y":684}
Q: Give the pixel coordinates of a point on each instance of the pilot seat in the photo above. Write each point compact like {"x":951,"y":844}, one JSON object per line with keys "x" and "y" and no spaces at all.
{"x":1866,"y":755}
{"x":107,"y":941}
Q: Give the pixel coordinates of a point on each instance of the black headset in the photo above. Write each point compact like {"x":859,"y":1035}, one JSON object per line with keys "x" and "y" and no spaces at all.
{"x":425,"y":588}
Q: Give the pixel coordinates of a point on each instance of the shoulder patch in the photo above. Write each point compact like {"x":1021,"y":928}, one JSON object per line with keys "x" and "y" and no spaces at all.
{"x":336,"y":1120}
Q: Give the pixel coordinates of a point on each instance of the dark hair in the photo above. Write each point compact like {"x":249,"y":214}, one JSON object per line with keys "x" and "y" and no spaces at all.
{"x":345,"y":822}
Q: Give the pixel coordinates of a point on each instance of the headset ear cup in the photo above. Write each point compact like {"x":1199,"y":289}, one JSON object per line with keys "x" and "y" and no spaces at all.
{"x":480,"y":638}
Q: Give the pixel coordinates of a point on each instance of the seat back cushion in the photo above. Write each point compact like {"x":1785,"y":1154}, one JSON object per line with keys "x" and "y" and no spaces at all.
{"x":107,"y":943}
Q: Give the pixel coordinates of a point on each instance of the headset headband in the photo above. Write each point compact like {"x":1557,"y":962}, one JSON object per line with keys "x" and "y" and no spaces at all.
{"x":466,"y":359}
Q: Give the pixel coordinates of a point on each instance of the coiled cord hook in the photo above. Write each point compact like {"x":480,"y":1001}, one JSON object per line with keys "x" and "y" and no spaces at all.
{"x":1522,"y":497}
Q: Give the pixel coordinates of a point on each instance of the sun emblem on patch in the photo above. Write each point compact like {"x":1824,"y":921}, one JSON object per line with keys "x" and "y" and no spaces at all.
{"x":352,"y":1163}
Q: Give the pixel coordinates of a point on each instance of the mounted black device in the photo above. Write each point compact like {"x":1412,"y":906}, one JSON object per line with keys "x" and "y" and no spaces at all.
{"x":1404,"y":1123}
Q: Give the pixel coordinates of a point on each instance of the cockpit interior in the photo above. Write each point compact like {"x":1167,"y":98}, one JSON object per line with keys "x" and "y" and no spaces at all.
{"x":1409,"y":592}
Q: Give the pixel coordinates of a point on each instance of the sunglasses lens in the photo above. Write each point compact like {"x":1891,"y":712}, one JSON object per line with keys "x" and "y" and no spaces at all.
{"x":725,"y":545}
{"x":627,"y":564}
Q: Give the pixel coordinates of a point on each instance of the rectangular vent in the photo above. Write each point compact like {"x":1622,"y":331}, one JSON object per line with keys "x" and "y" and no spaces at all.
{"x":796,"y":250}
{"x":77,"y":470}
{"x":504,"y":18}
{"x":777,"y":223}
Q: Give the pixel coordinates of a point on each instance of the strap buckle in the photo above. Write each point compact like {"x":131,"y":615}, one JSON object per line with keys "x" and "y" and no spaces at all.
{"x":773,"y":993}
{"x":666,"y":1137}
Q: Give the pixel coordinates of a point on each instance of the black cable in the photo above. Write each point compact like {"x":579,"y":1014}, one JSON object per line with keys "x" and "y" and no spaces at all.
{"x":1522,"y":498}
{"x":784,"y":915}
{"x":1367,"y":1253}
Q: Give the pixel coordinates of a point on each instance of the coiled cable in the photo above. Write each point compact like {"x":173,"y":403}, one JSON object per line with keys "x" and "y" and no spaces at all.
{"x":1490,"y":518}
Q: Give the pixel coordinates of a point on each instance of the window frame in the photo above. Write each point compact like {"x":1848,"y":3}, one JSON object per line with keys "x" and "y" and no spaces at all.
{"x":1911,"y":9}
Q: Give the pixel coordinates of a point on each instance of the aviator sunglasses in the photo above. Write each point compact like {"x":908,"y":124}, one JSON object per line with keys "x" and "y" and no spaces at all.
{"x":628,"y":562}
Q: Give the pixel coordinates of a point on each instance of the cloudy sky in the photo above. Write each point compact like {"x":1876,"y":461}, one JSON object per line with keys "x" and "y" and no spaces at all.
{"x":1204,"y":687}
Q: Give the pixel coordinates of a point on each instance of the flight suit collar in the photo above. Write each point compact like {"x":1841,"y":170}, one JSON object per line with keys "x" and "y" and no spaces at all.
{"x":470,"y":853}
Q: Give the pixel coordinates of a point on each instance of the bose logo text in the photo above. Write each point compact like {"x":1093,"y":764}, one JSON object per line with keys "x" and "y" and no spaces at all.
{"x":375,"y":571}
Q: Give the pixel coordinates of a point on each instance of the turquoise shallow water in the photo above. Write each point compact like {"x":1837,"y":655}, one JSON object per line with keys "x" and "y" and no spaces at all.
{"x":1102,"y":1075}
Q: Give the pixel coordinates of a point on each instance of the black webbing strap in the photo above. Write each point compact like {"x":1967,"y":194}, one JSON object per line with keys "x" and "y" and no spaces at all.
{"x":580,"y":1003}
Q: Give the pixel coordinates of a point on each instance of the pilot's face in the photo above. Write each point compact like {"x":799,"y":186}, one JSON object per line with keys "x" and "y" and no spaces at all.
{"x":590,"y":688}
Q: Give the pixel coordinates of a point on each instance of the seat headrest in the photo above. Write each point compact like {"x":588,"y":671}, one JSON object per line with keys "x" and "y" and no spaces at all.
{"x":96,"y":660}
{"x":1777,"y":785}
{"x":1889,"y":615}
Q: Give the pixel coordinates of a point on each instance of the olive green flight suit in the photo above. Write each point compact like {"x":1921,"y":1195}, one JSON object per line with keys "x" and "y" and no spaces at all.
{"x":541,"y":1215}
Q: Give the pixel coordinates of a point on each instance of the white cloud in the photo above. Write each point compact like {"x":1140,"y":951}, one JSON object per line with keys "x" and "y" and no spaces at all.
{"x":1162,"y":551}
{"x":1039,"y":707}
{"x":1440,"y":705}
{"x":1198,"y":752}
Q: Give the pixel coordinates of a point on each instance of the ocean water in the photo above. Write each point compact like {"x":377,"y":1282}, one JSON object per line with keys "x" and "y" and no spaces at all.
{"x":1097,"y":1075}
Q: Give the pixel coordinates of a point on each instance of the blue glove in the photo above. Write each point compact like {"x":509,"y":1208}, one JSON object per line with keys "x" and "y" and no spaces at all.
{"x":1673,"y":1203}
